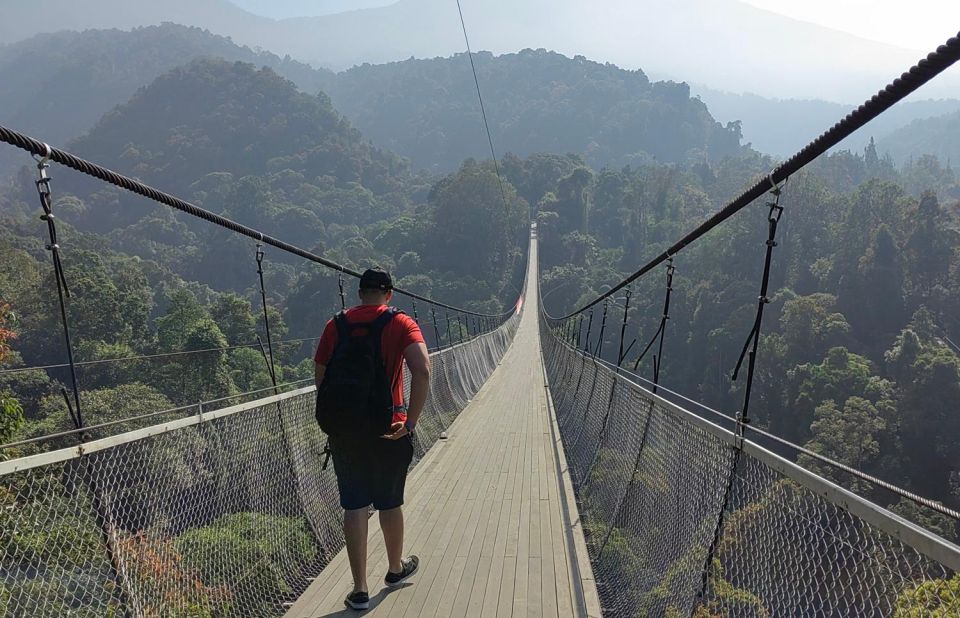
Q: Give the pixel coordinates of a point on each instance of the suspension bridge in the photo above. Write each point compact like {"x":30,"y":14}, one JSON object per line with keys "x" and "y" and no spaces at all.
{"x":547,"y":480}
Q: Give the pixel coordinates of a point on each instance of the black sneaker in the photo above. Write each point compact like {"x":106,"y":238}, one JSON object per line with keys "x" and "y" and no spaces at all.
{"x":357,"y":600}
{"x":410,"y":566}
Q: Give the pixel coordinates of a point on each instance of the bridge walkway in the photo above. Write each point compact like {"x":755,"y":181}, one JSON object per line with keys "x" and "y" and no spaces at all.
{"x":489,"y":511}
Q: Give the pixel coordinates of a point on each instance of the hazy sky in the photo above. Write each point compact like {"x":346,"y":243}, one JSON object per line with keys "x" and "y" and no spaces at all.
{"x":917,"y":24}
{"x":914,"y":24}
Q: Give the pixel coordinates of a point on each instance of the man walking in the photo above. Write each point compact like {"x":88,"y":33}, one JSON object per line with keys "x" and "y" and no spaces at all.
{"x":359,"y":376}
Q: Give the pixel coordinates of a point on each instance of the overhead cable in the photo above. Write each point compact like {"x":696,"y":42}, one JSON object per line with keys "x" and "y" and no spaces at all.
{"x":483,"y":110}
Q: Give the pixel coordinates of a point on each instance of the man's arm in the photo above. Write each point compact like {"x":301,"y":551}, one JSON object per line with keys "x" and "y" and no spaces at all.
{"x":318,"y":371}
{"x":418,"y":361}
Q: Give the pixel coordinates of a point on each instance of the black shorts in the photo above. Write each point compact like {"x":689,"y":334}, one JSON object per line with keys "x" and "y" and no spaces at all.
{"x":371,"y":471}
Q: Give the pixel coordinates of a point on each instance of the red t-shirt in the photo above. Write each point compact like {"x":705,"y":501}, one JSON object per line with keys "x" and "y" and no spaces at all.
{"x":401,"y":332}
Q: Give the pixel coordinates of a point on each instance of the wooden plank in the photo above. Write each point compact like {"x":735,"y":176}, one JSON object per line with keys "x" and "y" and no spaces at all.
{"x":442,"y":550}
{"x":457,"y":585}
{"x":488,"y":511}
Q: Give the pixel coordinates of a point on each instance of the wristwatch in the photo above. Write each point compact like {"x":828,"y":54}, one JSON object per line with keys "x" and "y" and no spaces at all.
{"x":409,"y":427}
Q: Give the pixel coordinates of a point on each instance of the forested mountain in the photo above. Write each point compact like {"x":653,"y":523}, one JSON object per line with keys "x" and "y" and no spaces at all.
{"x":702,"y":41}
{"x":939,"y":136}
{"x":426,"y":110}
{"x":781,"y":127}
{"x":536,"y":101}
{"x":203,"y":129}
{"x":58,"y":86}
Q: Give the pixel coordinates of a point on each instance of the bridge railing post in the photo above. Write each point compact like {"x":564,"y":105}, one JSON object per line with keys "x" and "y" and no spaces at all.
{"x":661,"y":330}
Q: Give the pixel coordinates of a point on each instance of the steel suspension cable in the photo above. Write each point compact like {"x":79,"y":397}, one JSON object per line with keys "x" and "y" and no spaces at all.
{"x":38,"y":148}
{"x":483,"y":110}
{"x":926,"y":69}
{"x":120,"y":359}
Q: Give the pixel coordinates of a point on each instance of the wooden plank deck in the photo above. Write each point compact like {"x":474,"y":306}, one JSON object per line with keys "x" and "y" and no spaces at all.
{"x":489,"y":511}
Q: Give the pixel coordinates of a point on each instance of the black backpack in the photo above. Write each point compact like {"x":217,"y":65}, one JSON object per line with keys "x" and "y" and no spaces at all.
{"x":355,"y":398}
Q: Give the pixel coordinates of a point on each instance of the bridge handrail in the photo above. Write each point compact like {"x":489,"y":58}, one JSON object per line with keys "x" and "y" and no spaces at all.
{"x":924,"y":541}
{"x":229,"y":512}
{"x":708,"y":518}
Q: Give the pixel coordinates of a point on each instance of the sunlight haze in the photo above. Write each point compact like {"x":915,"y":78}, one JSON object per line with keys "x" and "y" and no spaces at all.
{"x":918,"y":25}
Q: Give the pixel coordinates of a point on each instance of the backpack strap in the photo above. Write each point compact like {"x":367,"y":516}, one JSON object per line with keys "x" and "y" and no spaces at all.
{"x":343,"y":326}
{"x":376,"y":329}
{"x":343,"y":331}
{"x":383,"y":319}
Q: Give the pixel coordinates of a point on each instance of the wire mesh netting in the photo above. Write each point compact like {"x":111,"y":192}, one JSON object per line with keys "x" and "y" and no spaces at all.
{"x":226,"y":514}
{"x":651,"y":482}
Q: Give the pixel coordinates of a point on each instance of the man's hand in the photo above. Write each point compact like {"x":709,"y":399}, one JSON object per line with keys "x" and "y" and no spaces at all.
{"x":397,"y":431}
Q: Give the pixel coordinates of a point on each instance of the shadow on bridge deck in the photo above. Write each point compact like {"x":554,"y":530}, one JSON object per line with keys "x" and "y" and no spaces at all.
{"x":489,"y":511}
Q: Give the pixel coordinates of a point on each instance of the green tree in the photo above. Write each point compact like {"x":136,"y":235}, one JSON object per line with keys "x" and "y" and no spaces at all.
{"x":104,"y":405}
{"x":810,"y":327}
{"x":873,"y":296}
{"x":473,"y":231}
{"x":840,"y":376}
{"x":928,"y":248}
{"x":174,"y":326}
{"x":573,"y":201}
{"x":930,"y":397}
{"x":234,"y":316}
{"x":848,"y":435}
{"x":939,"y":598}
{"x":240,"y":543}
{"x":208,"y":375}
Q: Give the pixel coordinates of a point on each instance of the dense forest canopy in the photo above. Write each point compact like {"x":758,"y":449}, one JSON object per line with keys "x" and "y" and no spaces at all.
{"x":538,"y":101}
{"x":425,"y":110}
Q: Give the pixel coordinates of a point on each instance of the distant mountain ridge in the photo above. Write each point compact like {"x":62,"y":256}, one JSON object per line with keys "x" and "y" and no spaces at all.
{"x":781,"y":127}
{"x":939,"y":136}
{"x":58,"y":86}
{"x":537,"y":101}
{"x":725,"y":44}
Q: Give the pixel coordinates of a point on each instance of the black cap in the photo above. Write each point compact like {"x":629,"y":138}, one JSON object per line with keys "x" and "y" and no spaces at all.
{"x":376,"y":279}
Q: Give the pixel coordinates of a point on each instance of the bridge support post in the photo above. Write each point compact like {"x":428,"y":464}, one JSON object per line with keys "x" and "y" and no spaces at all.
{"x":603,"y":328}
{"x":101,"y":511}
{"x":661,"y":331}
{"x":753,"y":339}
{"x":271,"y":368}
{"x":613,"y":393}
{"x":752,"y":344}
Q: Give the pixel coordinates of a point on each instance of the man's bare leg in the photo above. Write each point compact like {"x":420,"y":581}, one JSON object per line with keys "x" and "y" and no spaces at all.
{"x":355,"y":530}
{"x":391,"y":522}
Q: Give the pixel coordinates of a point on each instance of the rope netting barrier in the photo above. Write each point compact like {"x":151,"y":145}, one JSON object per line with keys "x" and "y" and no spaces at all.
{"x":685,"y":518}
{"x":226,"y":513}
